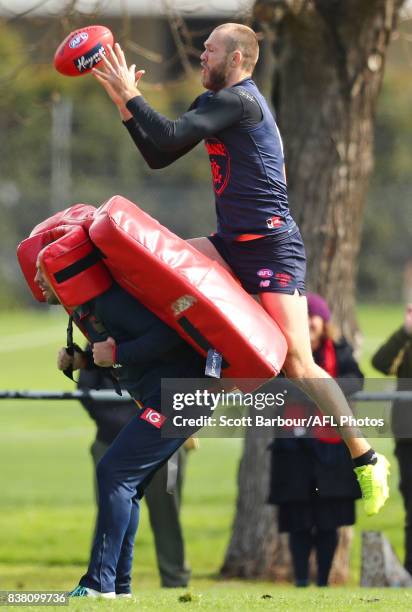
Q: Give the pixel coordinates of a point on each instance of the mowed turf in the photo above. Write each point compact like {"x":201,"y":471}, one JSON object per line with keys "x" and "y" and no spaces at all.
{"x":46,"y":501}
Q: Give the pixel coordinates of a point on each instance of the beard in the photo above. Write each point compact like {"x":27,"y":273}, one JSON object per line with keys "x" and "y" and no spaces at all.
{"x":216,"y":78}
{"x":53,"y":300}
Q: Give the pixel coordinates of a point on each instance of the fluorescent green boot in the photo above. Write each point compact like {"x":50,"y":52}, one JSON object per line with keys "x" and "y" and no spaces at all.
{"x":373,"y":481}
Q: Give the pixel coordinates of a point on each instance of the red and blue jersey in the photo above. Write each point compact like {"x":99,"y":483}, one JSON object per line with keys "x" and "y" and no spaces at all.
{"x":245,"y":152}
{"x":247,"y":165}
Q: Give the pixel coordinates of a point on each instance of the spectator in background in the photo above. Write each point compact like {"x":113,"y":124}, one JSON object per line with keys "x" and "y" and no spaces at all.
{"x":164,"y":507}
{"x":394,"y":357}
{"x":312,"y":479}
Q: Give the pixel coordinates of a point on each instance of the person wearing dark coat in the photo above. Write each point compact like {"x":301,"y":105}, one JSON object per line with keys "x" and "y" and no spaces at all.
{"x":394,"y":358}
{"x":164,"y":508}
{"x":312,"y":479}
{"x":127,"y":338}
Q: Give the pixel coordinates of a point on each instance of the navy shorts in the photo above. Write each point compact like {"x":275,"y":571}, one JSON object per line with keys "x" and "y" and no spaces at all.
{"x":269,"y":264}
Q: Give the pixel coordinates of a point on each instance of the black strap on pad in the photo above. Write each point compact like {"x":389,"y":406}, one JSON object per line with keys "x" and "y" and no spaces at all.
{"x":72,"y":347}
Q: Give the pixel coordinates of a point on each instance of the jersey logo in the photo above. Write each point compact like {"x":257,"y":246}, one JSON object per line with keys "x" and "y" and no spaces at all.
{"x":219,"y":163}
{"x":283,"y":279}
{"x":265,"y":273}
{"x":274,"y":222}
{"x":153,"y":417}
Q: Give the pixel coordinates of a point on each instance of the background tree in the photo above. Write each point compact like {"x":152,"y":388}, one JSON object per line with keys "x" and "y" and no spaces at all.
{"x":329,"y":64}
{"x":101,"y":156}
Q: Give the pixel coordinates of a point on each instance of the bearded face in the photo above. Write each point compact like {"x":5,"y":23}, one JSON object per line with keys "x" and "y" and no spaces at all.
{"x":215,"y":62}
{"x":214,"y":77}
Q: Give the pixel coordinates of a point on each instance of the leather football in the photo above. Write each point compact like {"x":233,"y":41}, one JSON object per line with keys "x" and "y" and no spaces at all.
{"x":81,"y":50}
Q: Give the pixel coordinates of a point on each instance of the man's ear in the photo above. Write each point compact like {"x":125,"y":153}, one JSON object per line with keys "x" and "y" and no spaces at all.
{"x":237,"y":58}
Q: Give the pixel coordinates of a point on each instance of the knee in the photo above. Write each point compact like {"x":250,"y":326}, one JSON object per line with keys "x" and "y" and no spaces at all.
{"x":105,"y":472}
{"x":298,"y":365}
{"x":111,"y":484}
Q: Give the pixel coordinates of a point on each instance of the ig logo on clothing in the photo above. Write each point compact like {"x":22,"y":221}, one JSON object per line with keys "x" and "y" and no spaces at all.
{"x":153,"y":417}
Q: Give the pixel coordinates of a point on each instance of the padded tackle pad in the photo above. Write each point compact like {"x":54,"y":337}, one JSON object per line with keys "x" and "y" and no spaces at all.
{"x":70,"y":261}
{"x":187,"y":290}
{"x":78,"y":214}
{"x":29,"y":249}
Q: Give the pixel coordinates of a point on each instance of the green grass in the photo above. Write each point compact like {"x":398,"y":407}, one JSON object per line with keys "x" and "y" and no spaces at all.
{"x":46,"y":502}
{"x":245,"y":597}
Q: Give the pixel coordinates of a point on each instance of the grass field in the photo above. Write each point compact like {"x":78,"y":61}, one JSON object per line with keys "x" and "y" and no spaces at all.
{"x":46,"y":502}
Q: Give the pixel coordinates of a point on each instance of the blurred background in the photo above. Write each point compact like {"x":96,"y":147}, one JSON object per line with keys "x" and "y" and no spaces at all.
{"x":62,"y":142}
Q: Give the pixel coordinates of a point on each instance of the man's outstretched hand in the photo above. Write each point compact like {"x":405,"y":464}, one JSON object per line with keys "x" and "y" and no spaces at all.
{"x":119,"y":81}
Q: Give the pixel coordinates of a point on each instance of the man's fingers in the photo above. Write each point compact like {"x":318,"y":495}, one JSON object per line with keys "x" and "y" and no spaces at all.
{"x":64,"y":360}
{"x":105,"y":83}
{"x":138,"y":75}
{"x":113,"y":57}
{"x":104,"y":67}
{"x":106,"y":86}
{"x":102,"y":76}
{"x":107,"y":63}
{"x":120,"y":55}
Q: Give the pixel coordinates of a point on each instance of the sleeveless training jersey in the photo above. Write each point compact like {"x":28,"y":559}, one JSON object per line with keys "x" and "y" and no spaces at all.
{"x":245,"y":151}
{"x":247,"y":173}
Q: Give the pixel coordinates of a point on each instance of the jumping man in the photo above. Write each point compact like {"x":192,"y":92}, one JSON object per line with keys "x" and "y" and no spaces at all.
{"x":256,"y":237}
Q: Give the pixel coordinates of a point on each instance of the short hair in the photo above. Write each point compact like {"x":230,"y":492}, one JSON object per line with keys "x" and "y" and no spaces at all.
{"x":244,"y":39}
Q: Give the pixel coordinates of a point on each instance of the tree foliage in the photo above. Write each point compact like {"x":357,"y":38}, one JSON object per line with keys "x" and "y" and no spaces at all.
{"x":104,"y":161}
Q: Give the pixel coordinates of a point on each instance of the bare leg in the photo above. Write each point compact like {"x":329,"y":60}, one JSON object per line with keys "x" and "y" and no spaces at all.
{"x":290,"y":313}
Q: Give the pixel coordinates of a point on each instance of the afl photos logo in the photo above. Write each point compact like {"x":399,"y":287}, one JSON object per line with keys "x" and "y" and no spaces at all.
{"x":153,"y":417}
{"x":219,"y":164}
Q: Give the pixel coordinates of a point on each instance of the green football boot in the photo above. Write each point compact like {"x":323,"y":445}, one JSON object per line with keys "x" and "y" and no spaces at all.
{"x":373,"y":482}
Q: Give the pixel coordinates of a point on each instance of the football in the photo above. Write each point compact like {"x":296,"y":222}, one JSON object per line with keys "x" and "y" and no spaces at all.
{"x":81,"y":50}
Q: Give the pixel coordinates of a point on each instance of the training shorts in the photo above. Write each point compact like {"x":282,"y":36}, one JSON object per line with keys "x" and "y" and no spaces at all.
{"x":268,"y":264}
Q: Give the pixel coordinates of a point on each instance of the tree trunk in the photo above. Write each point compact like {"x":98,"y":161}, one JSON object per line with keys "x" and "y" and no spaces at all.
{"x":330,"y":57}
{"x":254,"y":546}
{"x":330,"y":62}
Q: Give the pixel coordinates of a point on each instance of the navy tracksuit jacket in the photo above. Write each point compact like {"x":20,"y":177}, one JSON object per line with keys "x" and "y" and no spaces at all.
{"x":148,"y":350}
